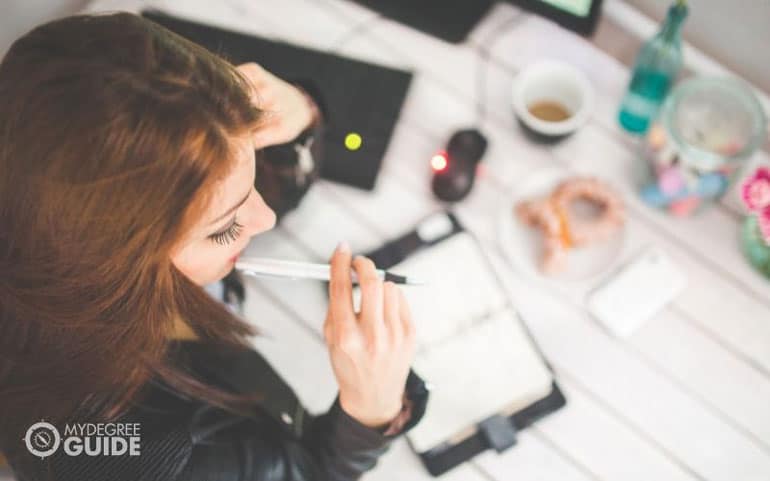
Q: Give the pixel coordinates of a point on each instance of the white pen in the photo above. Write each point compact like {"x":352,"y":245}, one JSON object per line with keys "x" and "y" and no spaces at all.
{"x":263,"y":267}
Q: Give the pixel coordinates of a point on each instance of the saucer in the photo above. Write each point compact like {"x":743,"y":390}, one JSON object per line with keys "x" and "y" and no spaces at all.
{"x":523,"y":244}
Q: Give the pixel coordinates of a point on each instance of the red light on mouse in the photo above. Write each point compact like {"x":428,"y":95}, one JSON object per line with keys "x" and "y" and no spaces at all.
{"x":439,"y":161}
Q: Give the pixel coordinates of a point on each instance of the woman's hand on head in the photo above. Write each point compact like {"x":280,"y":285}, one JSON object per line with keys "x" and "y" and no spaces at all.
{"x":371,"y":351}
{"x":288,"y":111}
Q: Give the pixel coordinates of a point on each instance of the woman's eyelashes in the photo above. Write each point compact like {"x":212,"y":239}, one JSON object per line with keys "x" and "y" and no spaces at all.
{"x":228,"y":235}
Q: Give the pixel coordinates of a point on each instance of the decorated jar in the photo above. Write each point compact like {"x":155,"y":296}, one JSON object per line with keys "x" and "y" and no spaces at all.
{"x":706,"y":129}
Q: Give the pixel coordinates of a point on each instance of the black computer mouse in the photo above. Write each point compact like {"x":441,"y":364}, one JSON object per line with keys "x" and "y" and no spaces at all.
{"x":453,"y":177}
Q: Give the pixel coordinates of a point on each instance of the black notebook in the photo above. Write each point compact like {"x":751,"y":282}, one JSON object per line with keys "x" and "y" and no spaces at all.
{"x":358,"y":97}
{"x":486,"y":374}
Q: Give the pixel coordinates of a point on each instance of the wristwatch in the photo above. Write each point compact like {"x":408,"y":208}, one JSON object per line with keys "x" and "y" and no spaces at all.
{"x":304,"y":142}
{"x":285,"y":172}
{"x":396,"y":425}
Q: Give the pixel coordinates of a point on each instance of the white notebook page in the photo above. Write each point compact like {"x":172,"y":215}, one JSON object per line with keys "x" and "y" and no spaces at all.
{"x":472,"y":347}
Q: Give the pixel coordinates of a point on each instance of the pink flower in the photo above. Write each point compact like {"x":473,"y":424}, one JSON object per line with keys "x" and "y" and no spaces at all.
{"x":756,"y":190}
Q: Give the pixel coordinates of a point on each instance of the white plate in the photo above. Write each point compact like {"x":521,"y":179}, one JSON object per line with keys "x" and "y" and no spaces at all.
{"x":523,"y":244}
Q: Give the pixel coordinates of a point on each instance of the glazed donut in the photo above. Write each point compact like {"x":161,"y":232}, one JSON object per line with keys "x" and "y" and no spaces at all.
{"x":561,"y":230}
{"x":538,"y":213}
{"x":595,"y":229}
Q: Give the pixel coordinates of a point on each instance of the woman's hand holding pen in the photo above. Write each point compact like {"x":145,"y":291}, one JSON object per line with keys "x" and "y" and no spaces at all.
{"x":371,"y":351}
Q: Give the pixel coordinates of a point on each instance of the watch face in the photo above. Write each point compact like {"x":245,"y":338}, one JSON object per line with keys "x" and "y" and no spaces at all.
{"x":305,"y":163}
{"x":288,"y":154}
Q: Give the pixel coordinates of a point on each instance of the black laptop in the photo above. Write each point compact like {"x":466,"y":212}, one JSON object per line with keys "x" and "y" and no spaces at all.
{"x":358,"y":97}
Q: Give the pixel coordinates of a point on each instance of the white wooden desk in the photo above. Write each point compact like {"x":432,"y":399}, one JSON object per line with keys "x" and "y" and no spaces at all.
{"x":687,"y":397}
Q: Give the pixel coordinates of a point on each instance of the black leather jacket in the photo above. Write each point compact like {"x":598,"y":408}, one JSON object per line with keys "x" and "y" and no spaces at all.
{"x":188,"y":440}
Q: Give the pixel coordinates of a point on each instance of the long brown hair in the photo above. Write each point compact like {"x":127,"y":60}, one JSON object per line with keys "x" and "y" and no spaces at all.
{"x":112,"y":132}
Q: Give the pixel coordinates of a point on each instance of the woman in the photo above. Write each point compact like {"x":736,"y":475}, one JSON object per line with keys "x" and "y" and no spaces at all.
{"x":128,"y":172}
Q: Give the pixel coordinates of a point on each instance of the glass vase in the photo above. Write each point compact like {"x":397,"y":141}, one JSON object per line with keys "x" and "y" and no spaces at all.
{"x":754,"y":246}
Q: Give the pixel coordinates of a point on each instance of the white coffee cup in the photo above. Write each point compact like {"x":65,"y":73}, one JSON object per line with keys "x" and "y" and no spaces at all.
{"x":557,"y":82}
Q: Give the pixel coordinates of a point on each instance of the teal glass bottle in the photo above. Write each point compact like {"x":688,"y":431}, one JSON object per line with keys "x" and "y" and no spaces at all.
{"x":656,"y":68}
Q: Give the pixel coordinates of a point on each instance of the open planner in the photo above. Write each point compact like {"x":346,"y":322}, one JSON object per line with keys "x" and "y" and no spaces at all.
{"x":487,"y":377}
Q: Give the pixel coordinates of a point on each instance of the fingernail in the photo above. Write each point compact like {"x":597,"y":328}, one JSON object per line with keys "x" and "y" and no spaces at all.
{"x":343,"y":247}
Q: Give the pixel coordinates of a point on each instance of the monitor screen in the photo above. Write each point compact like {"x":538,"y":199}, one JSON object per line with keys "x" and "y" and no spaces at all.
{"x":578,"y":15}
{"x":452,"y":20}
{"x":581,"y":8}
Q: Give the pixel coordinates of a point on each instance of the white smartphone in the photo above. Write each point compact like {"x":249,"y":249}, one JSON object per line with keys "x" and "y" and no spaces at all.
{"x":636,"y":292}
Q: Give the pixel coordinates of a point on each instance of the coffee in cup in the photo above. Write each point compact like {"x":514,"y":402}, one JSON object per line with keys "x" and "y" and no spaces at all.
{"x":549,"y":110}
{"x":551,"y":99}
